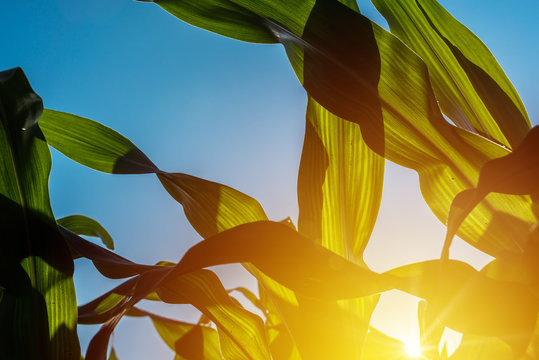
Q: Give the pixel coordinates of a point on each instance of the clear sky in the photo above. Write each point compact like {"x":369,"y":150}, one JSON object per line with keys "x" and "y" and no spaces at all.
{"x":216,"y":108}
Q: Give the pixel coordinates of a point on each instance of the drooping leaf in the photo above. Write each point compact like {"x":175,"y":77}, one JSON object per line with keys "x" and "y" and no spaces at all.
{"x":241,"y":333}
{"x":108,"y":263}
{"x":361,"y":73}
{"x":38,"y":307}
{"x":211,"y":207}
{"x":93,"y":144}
{"x":188,"y":341}
{"x":469,"y":302}
{"x":339,"y":191}
{"x":274,"y":248}
{"x":200,"y":288}
{"x":469,"y":84}
{"x":249,"y":295}
{"x":516,"y":173}
{"x":83,"y":225}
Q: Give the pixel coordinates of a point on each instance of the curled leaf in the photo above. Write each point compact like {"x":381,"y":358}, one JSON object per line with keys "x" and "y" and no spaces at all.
{"x":83,"y":225}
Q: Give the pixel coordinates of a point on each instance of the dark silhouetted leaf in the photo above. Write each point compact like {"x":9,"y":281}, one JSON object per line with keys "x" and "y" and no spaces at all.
{"x":108,"y":263}
{"x":38,"y":308}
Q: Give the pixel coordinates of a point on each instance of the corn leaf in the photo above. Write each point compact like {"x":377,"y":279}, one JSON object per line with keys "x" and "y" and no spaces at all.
{"x":339,"y":184}
{"x":361,"y":73}
{"x":93,"y":144}
{"x":241,"y":333}
{"x":470,"y":302}
{"x":469,"y":84}
{"x":339,"y":191}
{"x":516,"y":173}
{"x":211,"y":207}
{"x":38,"y":306}
{"x":83,"y":225}
{"x":318,"y":272}
{"x":108,"y":263}
{"x":188,"y":341}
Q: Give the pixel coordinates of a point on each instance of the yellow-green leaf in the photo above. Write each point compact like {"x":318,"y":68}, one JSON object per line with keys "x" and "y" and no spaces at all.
{"x":469,"y":84}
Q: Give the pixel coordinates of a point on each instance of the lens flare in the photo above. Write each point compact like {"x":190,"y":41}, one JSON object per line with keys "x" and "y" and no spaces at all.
{"x":413,"y":349}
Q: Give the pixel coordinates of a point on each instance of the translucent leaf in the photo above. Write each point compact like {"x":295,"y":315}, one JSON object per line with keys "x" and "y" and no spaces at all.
{"x":83,"y":225}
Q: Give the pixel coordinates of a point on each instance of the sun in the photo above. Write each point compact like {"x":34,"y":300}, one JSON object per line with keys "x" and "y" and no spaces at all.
{"x":413,"y":349}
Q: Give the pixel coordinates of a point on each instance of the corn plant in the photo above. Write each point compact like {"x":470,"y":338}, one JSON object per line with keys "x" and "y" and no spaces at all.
{"x":373,"y":95}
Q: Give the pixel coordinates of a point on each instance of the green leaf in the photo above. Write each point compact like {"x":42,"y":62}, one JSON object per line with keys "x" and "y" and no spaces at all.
{"x":188,"y":341}
{"x":470,"y":302}
{"x":93,"y":144}
{"x":339,"y":191}
{"x":358,"y":71}
{"x":211,"y":207}
{"x":38,"y":308}
{"x":241,"y":333}
{"x":469,"y":84}
{"x":317,"y":272}
{"x":83,"y":225}
{"x":339,"y":184}
{"x":516,"y":173}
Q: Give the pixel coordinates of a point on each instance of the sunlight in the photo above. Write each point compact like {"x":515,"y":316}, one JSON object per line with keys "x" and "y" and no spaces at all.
{"x":413,"y":349}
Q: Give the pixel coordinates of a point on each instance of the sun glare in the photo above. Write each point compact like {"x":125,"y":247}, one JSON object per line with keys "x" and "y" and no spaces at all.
{"x":413,"y":349}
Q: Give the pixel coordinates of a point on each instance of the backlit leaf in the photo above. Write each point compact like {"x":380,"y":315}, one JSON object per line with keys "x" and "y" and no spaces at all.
{"x":188,"y":341}
{"x":470,"y":302}
{"x":241,"y":333}
{"x":469,"y":84}
{"x":516,"y":173}
{"x":38,"y":307}
{"x":93,"y":144}
{"x":83,"y":225}
{"x":211,"y":207}
{"x":339,"y":191}
{"x":361,"y":73}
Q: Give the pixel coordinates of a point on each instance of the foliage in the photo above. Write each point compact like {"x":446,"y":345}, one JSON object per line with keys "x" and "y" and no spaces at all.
{"x":373,"y":95}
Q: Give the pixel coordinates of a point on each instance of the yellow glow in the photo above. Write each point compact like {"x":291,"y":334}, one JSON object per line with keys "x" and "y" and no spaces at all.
{"x":413,"y":349}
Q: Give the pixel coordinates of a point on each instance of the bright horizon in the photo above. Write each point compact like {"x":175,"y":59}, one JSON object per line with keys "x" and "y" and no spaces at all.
{"x":223,"y":110}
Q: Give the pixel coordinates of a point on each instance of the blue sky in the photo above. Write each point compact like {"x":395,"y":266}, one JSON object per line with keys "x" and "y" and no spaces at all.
{"x":216,"y":108}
